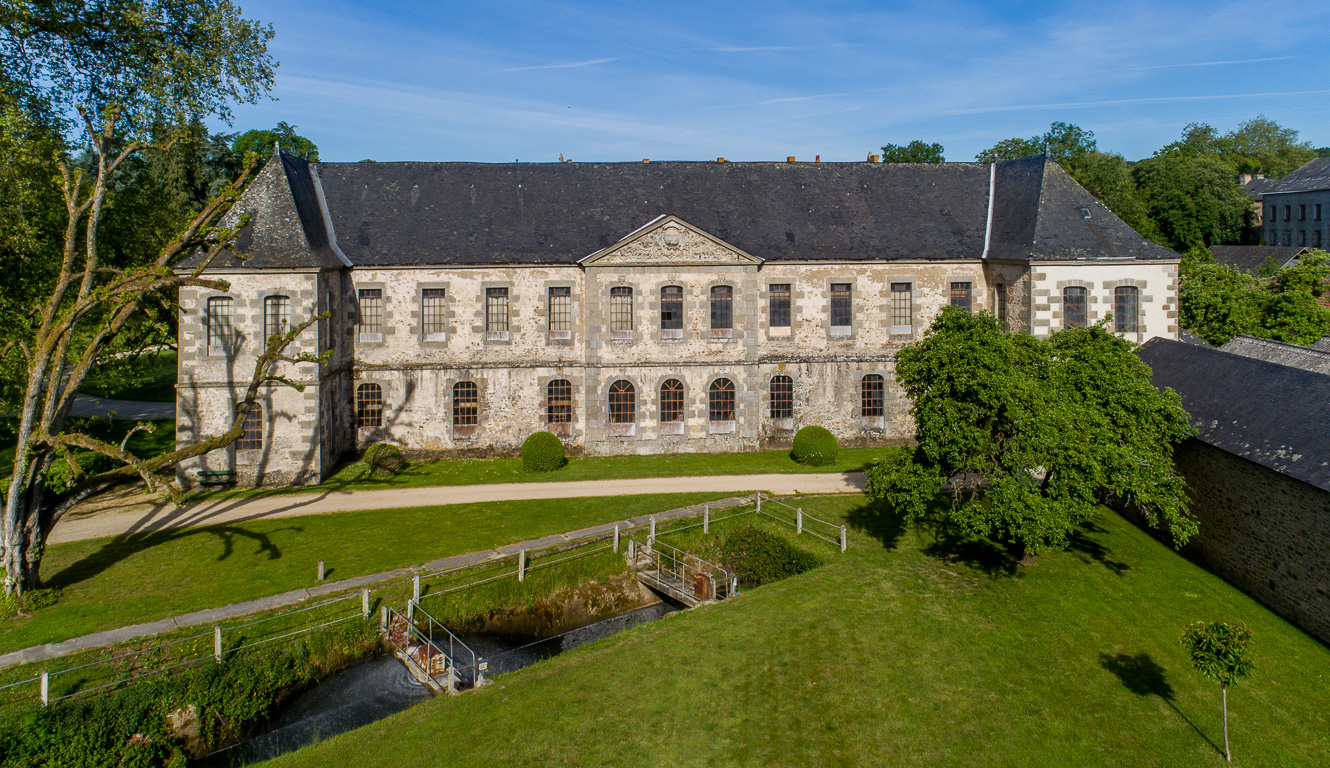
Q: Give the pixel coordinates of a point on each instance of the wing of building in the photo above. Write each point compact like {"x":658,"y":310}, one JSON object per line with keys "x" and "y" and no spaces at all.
{"x":629,"y":307}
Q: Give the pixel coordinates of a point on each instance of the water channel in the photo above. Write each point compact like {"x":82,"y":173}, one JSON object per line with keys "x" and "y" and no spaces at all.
{"x":381,"y":686}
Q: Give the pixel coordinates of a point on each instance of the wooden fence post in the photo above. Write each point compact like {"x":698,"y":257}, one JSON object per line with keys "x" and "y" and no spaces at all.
{"x":616,"y":537}
{"x":364,"y":603}
{"x":46,"y":688}
{"x":653,"y":526}
{"x":842,"y":538}
{"x":217,"y":643}
{"x":383,"y":616}
{"x":799,"y":520}
{"x":415,"y":587}
{"x":521,"y":565}
{"x":320,"y":570}
{"x":758,"y":494}
{"x":706,"y":520}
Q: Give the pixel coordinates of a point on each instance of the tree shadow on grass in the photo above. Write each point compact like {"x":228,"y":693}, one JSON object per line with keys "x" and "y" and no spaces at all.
{"x":877,"y":520}
{"x":127,"y":545}
{"x":979,"y":554}
{"x":1143,"y":676}
{"x":1087,"y":549}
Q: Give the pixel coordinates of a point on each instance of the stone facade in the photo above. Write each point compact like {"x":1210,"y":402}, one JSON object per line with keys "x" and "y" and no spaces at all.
{"x":1264,"y":532}
{"x":1298,"y":218}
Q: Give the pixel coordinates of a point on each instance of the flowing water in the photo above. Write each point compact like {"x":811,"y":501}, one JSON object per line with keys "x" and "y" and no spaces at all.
{"x":382,"y":686}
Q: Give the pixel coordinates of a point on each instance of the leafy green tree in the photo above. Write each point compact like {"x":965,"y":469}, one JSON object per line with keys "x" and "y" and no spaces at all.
{"x":1192,"y":199}
{"x":1259,"y":145}
{"x":1011,"y":149}
{"x":914,"y":152}
{"x":1221,"y":651}
{"x":1053,"y":427}
{"x":261,"y":143}
{"x":1217,"y":303}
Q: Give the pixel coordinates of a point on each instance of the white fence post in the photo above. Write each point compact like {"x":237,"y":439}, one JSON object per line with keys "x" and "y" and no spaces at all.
{"x":320,"y":570}
{"x":383,"y":617}
{"x":759,"y":502}
{"x":521,"y":565}
{"x":46,"y":688}
{"x":799,"y":520}
{"x":706,"y":520}
{"x":217,"y":643}
{"x":842,"y":538}
{"x":653,"y":526}
{"x":411,"y":611}
{"x":616,"y":537}
{"x":415,"y":587}
{"x":632,"y":553}
{"x":364,"y":603}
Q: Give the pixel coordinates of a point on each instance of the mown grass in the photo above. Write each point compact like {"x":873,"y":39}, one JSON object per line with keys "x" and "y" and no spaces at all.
{"x":904,"y":651}
{"x":107,"y":583}
{"x":142,"y":444}
{"x":152,"y":378}
{"x":447,"y":472}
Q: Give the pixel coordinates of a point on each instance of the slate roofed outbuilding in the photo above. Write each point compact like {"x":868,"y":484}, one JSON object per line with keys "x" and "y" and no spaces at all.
{"x":1270,"y":414}
{"x":1306,"y":358}
{"x":1250,"y":258}
{"x":410,"y":214}
{"x":1313,"y":176}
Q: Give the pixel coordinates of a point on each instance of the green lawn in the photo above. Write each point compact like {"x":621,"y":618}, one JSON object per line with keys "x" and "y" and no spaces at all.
{"x":143,"y":444}
{"x":152,"y":377}
{"x":125,"y":580}
{"x":509,"y":470}
{"x":898,"y":654}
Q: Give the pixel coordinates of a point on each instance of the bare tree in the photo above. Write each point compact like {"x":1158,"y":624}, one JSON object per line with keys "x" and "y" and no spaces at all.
{"x":89,"y":305}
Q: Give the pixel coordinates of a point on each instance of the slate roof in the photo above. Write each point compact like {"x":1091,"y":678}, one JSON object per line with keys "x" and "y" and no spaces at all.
{"x":408,"y":214}
{"x":1187,"y":337}
{"x":1322,"y":344}
{"x":1313,"y":176}
{"x":1293,"y":355}
{"x":1250,"y":258}
{"x":1273,"y":415}
{"x":1257,"y":186}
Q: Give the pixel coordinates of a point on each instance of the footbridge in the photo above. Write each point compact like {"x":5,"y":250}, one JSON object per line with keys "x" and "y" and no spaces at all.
{"x":679,"y":575}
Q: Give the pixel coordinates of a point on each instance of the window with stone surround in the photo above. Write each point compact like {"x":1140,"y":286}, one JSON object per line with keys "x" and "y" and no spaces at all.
{"x":1073,"y":307}
{"x":434,"y":314}
{"x":276,"y":316}
{"x":496,"y":314}
{"x":782,"y":397}
{"x":671,"y":402}
{"x":251,"y":438}
{"x":623,"y":402}
{"x":722,"y":311}
{"x":778,"y":305}
{"x":466,"y":404}
{"x":1000,"y":305}
{"x":621,"y":312}
{"x":221,"y":326}
{"x":671,"y":312}
{"x":961,"y":295}
{"x":871,"y":389}
{"x":371,"y":314}
{"x":1302,"y":213}
{"x":842,"y":309}
{"x":561,"y":312}
{"x":720,"y":401}
{"x":559,"y":407}
{"x":1126,"y":308}
{"x":369,"y":405}
{"x":902,"y":309}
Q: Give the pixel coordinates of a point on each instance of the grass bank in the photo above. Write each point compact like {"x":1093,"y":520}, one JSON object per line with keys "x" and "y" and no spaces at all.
{"x":142,"y":444}
{"x":135,"y":578}
{"x":153,"y":378}
{"x":446,"y":472}
{"x":903,"y":651}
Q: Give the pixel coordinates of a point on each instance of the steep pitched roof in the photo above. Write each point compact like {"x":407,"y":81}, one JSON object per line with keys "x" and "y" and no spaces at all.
{"x":1306,"y":358}
{"x":1250,"y":258}
{"x":406,"y":214}
{"x":1256,"y":186}
{"x":1271,"y":414}
{"x":1322,"y":344}
{"x":1040,"y":213}
{"x":1313,"y":176}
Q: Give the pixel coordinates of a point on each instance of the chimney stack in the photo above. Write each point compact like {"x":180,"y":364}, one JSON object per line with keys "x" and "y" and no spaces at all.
{"x":720,"y":159}
{"x":790,"y":159}
{"x":646,"y":160}
{"x":874,"y":158}
{"x":817,"y":158}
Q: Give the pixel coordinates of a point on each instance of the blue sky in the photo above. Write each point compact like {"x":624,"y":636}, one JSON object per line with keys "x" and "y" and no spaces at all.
{"x":499,"y":81}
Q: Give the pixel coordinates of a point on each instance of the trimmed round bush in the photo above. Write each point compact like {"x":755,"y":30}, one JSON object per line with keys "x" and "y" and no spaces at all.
{"x":542,"y":452}
{"x":383,"y":458}
{"x":815,"y":446}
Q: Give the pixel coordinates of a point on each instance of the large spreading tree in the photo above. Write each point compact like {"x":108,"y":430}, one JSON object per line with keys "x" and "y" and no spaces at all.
{"x":1032,"y":436}
{"x":90,"y":88}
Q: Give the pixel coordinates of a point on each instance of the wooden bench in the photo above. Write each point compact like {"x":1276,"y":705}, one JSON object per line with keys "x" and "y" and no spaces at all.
{"x":217,"y":477}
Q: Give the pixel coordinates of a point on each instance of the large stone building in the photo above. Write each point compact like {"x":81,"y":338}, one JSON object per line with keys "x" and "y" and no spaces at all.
{"x":629,"y":308}
{"x":1297,"y":207}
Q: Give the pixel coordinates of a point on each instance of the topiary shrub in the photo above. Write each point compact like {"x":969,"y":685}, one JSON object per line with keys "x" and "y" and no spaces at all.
{"x":815,"y":446}
{"x":542,"y":452}
{"x":383,"y":458}
{"x":759,"y":557}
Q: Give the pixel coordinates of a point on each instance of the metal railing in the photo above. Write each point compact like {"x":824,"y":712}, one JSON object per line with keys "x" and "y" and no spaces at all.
{"x":683,"y":573}
{"x":801,"y":521}
{"x":431,"y":649}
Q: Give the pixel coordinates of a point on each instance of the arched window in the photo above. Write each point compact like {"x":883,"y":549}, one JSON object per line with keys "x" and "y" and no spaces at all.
{"x":466,"y":404}
{"x":252,"y":438}
{"x":369,"y":405}
{"x":1126,"y":308}
{"x":623,"y":403}
{"x":1073,"y":307}
{"x":671,"y":402}
{"x":870,"y":398}
{"x":782,"y":397}
{"x":720,"y":403}
{"x":559,"y":402}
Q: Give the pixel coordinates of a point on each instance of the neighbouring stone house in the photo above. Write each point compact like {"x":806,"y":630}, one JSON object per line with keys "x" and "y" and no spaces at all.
{"x":629,"y":307}
{"x":1251,"y":258}
{"x":1258,"y":471}
{"x":1297,"y":207}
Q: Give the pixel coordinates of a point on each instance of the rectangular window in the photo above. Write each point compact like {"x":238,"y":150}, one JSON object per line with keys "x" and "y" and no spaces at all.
{"x":782,"y":397}
{"x":371,"y":314}
{"x":1302,"y":237}
{"x":496,"y":314}
{"x":1288,"y":238}
{"x":842,"y":309}
{"x":960,"y":295}
{"x":1274,"y":213}
{"x":561,"y":312}
{"x":621,"y":312}
{"x":276,"y":315}
{"x":1126,"y":308}
{"x":671,"y":312}
{"x":902,"y":309}
{"x":1302,"y":213}
{"x":221,"y":331}
{"x":1318,"y":212}
{"x":778,"y":305}
{"x":1270,"y":237}
{"x":251,"y":439}
{"x":1000,"y":302}
{"x":1073,"y":307}
{"x":1316,"y":238}
{"x":434,"y":314}
{"x":722,"y":312}
{"x":466,"y":405}
{"x":1288,"y":213}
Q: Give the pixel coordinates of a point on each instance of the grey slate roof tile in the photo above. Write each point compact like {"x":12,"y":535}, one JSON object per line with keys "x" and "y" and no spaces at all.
{"x":1315,"y":175}
{"x":1250,"y":258}
{"x":1273,"y":415}
{"x":1306,"y":358}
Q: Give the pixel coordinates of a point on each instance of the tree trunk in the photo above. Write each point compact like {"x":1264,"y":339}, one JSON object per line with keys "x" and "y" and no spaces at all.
{"x":1223,"y":687}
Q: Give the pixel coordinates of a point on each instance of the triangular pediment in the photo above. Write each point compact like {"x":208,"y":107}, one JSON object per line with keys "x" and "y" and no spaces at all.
{"x":670,"y":241}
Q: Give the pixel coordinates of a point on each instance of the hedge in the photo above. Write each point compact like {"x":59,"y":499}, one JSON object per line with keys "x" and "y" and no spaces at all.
{"x":542,"y":452}
{"x":815,"y":446}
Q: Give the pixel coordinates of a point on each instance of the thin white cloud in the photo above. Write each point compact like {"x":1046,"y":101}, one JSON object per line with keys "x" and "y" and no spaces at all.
{"x":800,"y":98}
{"x":563,"y":65}
{"x":1119,"y":102}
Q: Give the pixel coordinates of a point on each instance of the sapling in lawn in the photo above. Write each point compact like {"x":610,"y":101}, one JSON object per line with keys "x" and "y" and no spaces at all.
{"x":1219,"y":650}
